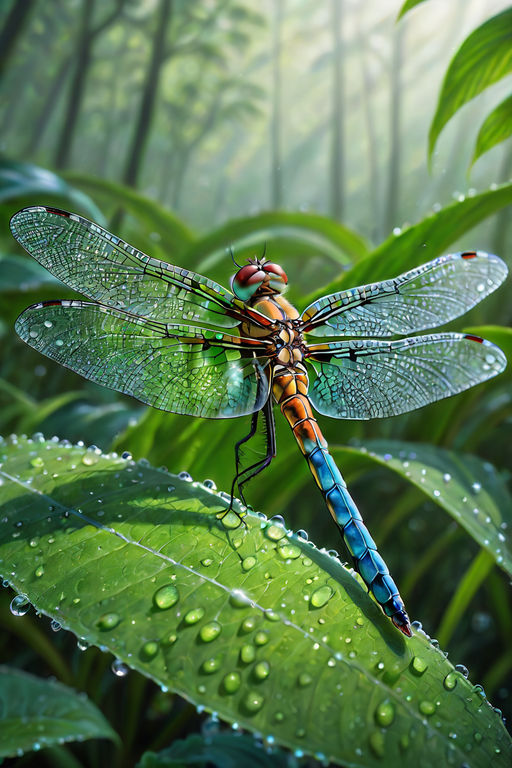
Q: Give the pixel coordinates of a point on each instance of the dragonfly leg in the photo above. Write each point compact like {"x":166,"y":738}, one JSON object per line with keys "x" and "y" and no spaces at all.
{"x":241,"y":478}
{"x":251,"y":433}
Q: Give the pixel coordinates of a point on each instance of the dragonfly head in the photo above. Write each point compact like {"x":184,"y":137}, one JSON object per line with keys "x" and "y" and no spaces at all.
{"x":259,"y":278}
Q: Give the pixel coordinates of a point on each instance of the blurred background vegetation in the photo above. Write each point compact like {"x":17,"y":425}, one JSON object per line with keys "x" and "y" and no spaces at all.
{"x":189,"y":126}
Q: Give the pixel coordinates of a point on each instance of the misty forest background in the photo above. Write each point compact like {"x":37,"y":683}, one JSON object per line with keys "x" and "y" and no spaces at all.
{"x":188,"y":126}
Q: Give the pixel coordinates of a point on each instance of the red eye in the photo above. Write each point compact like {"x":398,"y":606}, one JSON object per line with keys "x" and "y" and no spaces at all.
{"x":276,"y":270}
{"x":247,"y":274}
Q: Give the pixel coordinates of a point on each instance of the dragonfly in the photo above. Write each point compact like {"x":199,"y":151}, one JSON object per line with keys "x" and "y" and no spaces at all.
{"x":181,"y":342}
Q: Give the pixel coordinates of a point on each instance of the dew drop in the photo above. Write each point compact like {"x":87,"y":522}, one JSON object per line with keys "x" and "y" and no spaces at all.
{"x":477,"y":487}
{"x":450,"y":681}
{"x":149,"y":650}
{"x":231,"y":682}
{"x":275,"y":532}
{"x":238,"y":599}
{"x":20,"y":605}
{"x":304,"y":679}
{"x":118,"y":668}
{"x":185,"y":476}
{"x":271,"y":615}
{"x":210,"y":631}
{"x":37,"y":461}
{"x":206,"y":561}
{"x":418,"y":665}
{"x":108,"y":621}
{"x":261,"y":637}
{"x":306,"y":561}
{"x":193,"y":616}
{"x":209,"y":666}
{"x":230,"y":520}
{"x":262,"y":670}
{"x":126,"y":455}
{"x":377,"y":744}
{"x":462,"y":669}
{"x":248,"y":563}
{"x":302,"y":534}
{"x":55,"y":625}
{"x":209,"y":484}
{"x":89,"y":459}
{"x":166,"y":597}
{"x":33,"y":543}
{"x":248,"y":624}
{"x":385,"y":713}
{"x":447,"y":477}
{"x":247,"y":653}
{"x":253,"y":701}
{"x":321,"y":596}
{"x":39,"y":571}
{"x":427,"y":708}
{"x":82,"y":644}
{"x":288,"y":551}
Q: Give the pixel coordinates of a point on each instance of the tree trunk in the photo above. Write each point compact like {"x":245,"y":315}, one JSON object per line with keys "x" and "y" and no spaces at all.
{"x":49,"y":106}
{"x":337,"y":128}
{"x":393,"y":191}
{"x":149,"y":94}
{"x":277,"y":174}
{"x":13,"y":27}
{"x":371,"y":138}
{"x":77,"y":86}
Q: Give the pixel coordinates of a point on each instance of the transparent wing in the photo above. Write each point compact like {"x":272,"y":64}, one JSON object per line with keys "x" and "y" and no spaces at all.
{"x":424,"y":297}
{"x":175,"y":368}
{"x":106,"y":269}
{"x":371,"y":379}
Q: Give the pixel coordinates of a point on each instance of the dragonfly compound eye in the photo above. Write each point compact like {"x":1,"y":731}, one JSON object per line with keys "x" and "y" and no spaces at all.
{"x":278,"y":277}
{"x":247,"y":281}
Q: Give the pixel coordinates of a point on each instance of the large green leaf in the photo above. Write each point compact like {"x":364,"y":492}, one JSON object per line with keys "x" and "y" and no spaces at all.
{"x":496,"y":128}
{"x":421,"y":242}
{"x":165,"y":230}
{"x":225,"y":750}
{"x":310,"y":232}
{"x":483,"y":58}
{"x":28,"y":183}
{"x":248,"y":621}
{"x":469,"y":489}
{"x":36,"y":713}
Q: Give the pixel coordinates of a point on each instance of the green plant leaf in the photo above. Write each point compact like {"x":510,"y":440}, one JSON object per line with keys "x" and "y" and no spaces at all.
{"x":407,"y":6}
{"x":483,"y":58}
{"x":27,"y":183}
{"x":225,"y":750}
{"x":248,"y":621}
{"x":37,"y":713}
{"x":311,"y":233}
{"x":458,"y":483}
{"x":496,"y":128}
{"x":421,"y":242}
{"x":162,"y":228}
{"x":17,"y":273}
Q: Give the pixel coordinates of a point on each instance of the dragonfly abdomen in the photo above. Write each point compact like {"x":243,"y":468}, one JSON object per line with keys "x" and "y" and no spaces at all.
{"x":298,"y":412}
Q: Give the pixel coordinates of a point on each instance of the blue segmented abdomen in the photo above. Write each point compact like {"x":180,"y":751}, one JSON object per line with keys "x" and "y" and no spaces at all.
{"x":343,"y":509}
{"x":356,"y":536}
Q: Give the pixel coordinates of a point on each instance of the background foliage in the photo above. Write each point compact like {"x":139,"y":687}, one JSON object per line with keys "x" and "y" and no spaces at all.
{"x":192,"y":126}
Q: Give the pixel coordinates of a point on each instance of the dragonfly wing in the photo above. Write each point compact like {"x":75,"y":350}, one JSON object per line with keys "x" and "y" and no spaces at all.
{"x":175,"y":368}
{"x":371,"y":379}
{"x":110,"y":271}
{"x":424,"y":297}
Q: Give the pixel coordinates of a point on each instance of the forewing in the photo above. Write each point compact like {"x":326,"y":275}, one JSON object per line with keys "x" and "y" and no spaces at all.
{"x":422,"y":298}
{"x":171,"y":367}
{"x":107,"y":270}
{"x":371,"y":379}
